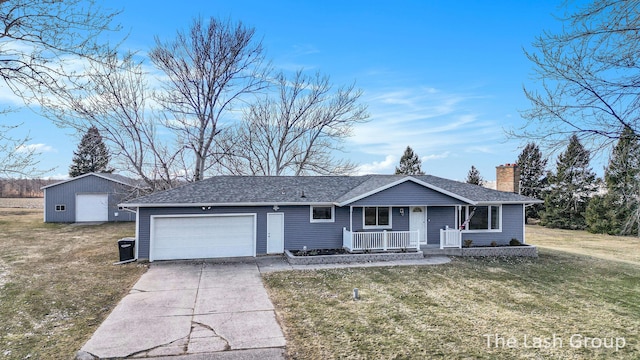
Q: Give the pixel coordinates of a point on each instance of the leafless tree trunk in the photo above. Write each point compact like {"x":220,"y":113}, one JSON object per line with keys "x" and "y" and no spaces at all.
{"x":295,"y":132}
{"x":588,"y":77}
{"x":114,"y":99}
{"x":208,"y":69}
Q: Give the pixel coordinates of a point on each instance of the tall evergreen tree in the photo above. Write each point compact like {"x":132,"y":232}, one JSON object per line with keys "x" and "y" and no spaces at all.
{"x":410,"y":163}
{"x":570,"y":188}
{"x":532,"y":176}
{"x":619,"y":210}
{"x":92,"y":155}
{"x":473,"y":176}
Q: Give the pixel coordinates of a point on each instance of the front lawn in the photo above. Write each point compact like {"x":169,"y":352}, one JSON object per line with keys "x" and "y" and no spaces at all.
{"x":470,"y":308}
{"x":619,"y":248}
{"x":57,"y":283}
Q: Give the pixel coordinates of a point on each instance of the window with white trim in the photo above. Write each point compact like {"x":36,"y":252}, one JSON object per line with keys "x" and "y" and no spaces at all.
{"x":480,"y":217}
{"x":61,"y":207}
{"x":322,"y":214}
{"x":377,"y":217}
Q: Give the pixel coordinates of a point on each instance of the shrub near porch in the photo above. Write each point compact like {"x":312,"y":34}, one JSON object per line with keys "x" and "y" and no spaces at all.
{"x":447,"y":310}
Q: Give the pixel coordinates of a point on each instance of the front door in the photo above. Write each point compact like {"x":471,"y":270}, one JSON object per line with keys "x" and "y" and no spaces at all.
{"x":418,"y":221}
{"x":275,"y":233}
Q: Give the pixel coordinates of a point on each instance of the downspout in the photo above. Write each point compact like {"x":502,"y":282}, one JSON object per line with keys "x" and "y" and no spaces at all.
{"x":135,"y":256}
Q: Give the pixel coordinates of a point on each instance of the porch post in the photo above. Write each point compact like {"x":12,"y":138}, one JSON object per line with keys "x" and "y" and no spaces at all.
{"x":351,"y":218}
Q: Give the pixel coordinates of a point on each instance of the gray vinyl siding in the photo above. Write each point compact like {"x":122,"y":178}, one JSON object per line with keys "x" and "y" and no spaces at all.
{"x":512,"y":227}
{"x":65,"y":194}
{"x":398,"y":222}
{"x":299,"y":231}
{"x":408,"y":193}
{"x":439,"y":217}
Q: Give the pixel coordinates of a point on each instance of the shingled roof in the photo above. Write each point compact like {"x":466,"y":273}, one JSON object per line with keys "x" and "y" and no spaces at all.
{"x":299,"y":190}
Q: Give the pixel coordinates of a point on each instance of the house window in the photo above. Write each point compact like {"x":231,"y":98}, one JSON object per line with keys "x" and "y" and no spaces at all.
{"x":61,"y":207}
{"x":480,"y":217}
{"x":322,"y":214}
{"x":377,"y":217}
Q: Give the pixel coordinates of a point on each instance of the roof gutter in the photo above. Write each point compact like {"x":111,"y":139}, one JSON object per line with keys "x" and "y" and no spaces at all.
{"x":182,"y":205}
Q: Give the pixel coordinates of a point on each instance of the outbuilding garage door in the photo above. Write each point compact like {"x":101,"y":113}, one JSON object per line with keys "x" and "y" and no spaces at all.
{"x":195,"y":237}
{"x":92,"y":207}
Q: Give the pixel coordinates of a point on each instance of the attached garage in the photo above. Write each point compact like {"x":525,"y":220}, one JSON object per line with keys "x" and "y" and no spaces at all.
{"x":92,"y":207}
{"x":202,"y":236}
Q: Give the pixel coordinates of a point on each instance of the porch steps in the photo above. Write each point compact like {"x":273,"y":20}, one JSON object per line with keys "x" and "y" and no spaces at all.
{"x":428,"y":251}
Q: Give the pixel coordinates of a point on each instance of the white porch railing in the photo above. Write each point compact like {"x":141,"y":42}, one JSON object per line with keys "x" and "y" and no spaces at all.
{"x":450,"y":238}
{"x":380,"y":240}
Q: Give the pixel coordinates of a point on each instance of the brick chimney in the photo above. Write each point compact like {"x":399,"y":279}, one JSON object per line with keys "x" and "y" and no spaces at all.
{"x":508,"y":178}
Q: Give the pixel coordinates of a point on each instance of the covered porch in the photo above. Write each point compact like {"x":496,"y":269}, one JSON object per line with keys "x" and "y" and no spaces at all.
{"x":380,"y":240}
{"x":385,"y":228}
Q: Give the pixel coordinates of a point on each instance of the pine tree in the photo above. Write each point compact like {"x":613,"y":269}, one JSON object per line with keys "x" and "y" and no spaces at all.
{"x":473,"y":177}
{"x":92,"y":155}
{"x":570,"y":188}
{"x":532,"y":176}
{"x":601,"y":217}
{"x":621,"y":210}
{"x":410,"y":163}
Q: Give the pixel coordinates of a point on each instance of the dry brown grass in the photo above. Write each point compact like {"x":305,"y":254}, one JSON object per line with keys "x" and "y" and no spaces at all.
{"x":59,"y":283}
{"x":445,"y":311}
{"x":618,"y":248}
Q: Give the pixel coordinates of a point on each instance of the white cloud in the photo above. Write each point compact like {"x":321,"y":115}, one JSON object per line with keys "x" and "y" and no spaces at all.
{"x":443,"y":155}
{"x":429,"y":120}
{"x":37,"y":148}
{"x":378,"y":167}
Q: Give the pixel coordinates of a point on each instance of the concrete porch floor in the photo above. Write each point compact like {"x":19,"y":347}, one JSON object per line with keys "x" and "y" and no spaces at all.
{"x":429,"y":250}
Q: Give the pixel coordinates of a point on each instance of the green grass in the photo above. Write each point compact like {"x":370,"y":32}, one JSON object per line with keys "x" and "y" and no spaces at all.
{"x":445,"y":311}
{"x":57,"y":283}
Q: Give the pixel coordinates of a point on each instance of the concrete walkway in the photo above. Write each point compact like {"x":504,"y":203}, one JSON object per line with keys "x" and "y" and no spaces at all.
{"x":192,"y":310}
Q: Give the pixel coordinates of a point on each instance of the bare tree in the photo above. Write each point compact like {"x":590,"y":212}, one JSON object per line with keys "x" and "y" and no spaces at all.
{"x":17,"y":159}
{"x":588,"y":76}
{"x":295,"y":132}
{"x":39,"y":40}
{"x":208,"y":69}
{"x":114,"y":100}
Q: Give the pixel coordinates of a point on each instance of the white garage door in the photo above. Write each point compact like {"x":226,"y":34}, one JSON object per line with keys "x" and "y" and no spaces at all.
{"x":196,"y":237}
{"x":92,"y":207}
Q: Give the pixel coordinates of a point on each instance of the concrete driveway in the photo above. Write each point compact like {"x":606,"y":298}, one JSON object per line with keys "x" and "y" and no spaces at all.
{"x":206,"y":310}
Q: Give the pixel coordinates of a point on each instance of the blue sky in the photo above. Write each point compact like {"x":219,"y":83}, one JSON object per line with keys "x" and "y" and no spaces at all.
{"x":444,"y":77}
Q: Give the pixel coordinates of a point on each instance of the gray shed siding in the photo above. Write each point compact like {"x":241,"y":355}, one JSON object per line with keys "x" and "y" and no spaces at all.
{"x":408,"y":193}
{"x":437,"y":218}
{"x":65,"y":194}
{"x":512,"y":227}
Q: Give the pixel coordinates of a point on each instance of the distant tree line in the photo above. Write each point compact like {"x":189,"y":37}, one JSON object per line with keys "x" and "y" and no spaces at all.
{"x":23,"y":188}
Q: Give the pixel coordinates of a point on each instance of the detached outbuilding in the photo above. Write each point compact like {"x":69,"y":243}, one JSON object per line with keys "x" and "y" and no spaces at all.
{"x":92,"y":197}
